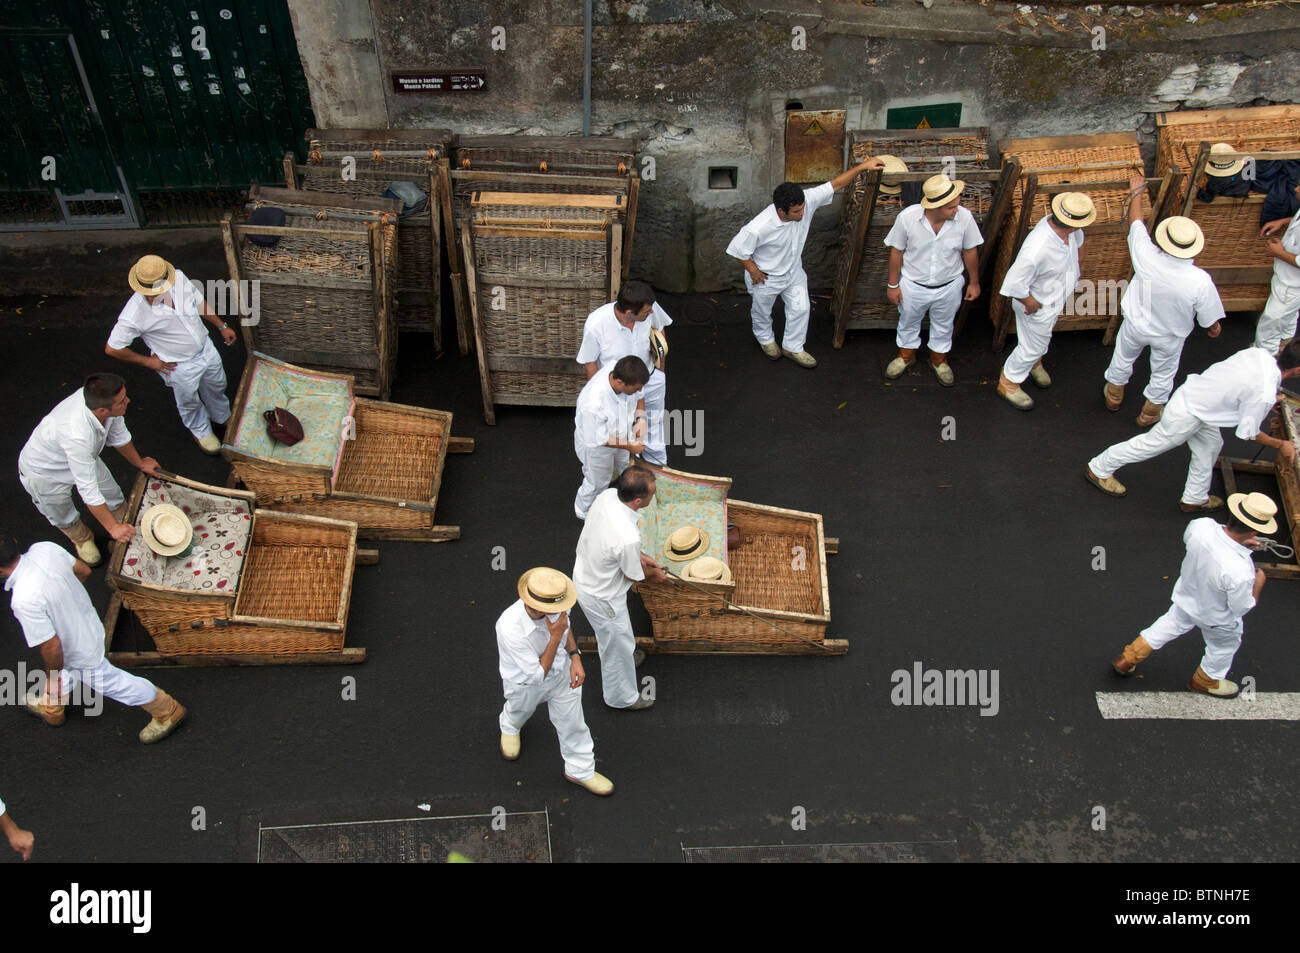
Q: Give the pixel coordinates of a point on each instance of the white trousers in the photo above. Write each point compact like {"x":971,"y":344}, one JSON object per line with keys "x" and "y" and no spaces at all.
{"x":110,"y":681}
{"x":565,"y":707}
{"x":792,"y":288}
{"x":1033,"y":336}
{"x":941,"y":303}
{"x":1176,"y":427}
{"x":600,"y":465}
{"x":616,"y":643}
{"x":1277,"y":321}
{"x":199,"y":386}
{"x":1221,"y":641}
{"x":1166,"y":350}
{"x":53,"y":494}
{"x":655,"y":389}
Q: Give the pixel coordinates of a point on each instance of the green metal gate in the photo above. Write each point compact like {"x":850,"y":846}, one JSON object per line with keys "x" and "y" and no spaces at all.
{"x":132,"y":97}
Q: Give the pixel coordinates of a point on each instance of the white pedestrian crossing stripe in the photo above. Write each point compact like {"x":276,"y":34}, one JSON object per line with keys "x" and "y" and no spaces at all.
{"x":1265,"y":706}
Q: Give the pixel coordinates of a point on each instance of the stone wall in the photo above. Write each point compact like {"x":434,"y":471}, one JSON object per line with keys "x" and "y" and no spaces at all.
{"x":706,"y":83}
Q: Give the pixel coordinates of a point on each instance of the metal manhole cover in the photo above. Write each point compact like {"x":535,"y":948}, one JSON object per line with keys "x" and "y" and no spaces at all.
{"x":525,"y":838}
{"x":902,"y":852}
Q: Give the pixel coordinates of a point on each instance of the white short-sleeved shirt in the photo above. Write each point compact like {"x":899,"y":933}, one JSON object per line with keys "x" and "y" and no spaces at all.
{"x":1167,"y":294}
{"x":1285,"y":272}
{"x":601,"y":413}
{"x":776,"y":247}
{"x":48,"y":600}
{"x":1046,"y":268}
{"x":521,"y":640}
{"x":1237,"y":392}
{"x":605,"y":341}
{"x":1217,"y":577}
{"x":171,"y":327}
{"x":609,"y":549}
{"x":65,"y":446}
{"x":929,"y":257}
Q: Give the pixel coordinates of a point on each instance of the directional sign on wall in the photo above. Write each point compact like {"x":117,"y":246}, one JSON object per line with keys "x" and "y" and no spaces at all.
{"x":440,"y":81}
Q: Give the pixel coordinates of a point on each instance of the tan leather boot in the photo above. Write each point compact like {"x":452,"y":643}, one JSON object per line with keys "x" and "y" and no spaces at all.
{"x":52,"y":714}
{"x":1150,"y":414}
{"x":1014,"y":394}
{"x":1133,"y":653}
{"x":167,"y":713}
{"x":1114,"y":394}
{"x":84,"y":542}
{"x":939,"y":364}
{"x":1214,"y":687}
{"x":906,"y":358}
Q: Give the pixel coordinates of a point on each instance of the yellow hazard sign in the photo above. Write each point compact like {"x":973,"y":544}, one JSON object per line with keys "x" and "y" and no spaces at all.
{"x":923,"y":124}
{"x":815,"y":129}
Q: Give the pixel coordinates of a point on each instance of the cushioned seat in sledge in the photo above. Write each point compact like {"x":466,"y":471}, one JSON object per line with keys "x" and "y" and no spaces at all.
{"x":257,"y":584}
{"x":376,"y":463}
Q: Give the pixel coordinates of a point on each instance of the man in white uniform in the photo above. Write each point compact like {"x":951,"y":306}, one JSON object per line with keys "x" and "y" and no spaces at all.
{"x":56,"y":614}
{"x":608,"y":426}
{"x":620,"y":328}
{"x":1039,"y":282}
{"x":168,"y":311}
{"x":770,"y":247}
{"x":929,"y":243}
{"x":1167,"y":294}
{"x":540,"y":662}
{"x":1218,"y":584}
{"x":63,"y":452}
{"x":609,"y":560}
{"x":1238,"y":392}
{"x":1277,"y":322}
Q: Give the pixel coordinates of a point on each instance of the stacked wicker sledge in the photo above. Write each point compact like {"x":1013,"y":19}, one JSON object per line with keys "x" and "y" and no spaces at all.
{"x":543,"y":229}
{"x":1098,"y":165}
{"x":862,"y":268}
{"x":1234,"y":254}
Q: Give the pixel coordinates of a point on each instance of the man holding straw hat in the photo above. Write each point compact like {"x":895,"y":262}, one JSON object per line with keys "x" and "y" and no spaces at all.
{"x":1039,"y":283}
{"x":168,"y":311}
{"x":1277,"y":322}
{"x":1217,"y":586}
{"x":1165,"y":300}
{"x":608,"y":561}
{"x":929,"y":243}
{"x":540,"y":662}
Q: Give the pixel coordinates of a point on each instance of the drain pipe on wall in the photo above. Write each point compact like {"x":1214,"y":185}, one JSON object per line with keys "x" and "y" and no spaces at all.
{"x":586,"y":68}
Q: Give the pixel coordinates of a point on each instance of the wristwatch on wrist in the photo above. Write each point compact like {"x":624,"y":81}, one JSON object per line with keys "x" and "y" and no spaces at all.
{"x":574,"y":652}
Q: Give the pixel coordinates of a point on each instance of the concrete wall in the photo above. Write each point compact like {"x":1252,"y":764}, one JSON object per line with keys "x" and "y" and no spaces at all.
{"x":705,"y":83}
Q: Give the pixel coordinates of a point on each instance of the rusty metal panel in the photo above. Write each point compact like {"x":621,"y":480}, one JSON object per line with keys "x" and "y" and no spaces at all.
{"x":814,"y":144}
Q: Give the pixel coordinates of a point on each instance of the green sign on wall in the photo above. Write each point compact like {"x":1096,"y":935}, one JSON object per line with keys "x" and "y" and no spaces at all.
{"x":936,"y":116}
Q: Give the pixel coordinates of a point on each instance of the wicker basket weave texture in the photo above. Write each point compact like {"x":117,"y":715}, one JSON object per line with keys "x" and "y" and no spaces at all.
{"x":764,"y":578}
{"x":394,"y":455}
{"x":558,"y":389}
{"x":539,"y":321}
{"x":294,"y":571}
{"x":541,"y":256}
{"x":1180,"y":145}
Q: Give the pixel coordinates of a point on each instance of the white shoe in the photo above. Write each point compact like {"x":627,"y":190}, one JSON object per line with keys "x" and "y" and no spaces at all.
{"x":1038,"y":374}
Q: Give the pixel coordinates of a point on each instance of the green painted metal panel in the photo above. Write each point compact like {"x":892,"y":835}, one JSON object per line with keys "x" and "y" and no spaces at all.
{"x":934,"y":116}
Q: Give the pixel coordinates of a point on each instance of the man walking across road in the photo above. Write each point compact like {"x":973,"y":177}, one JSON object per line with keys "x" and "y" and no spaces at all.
{"x":1277,"y":322}
{"x":63,"y":452}
{"x":1167,"y":297}
{"x":929,"y":243}
{"x":770,"y":248}
{"x":609,"y":560}
{"x":608,"y":426}
{"x":168,"y":311}
{"x":1238,"y":392}
{"x":1217,"y":586}
{"x":540,"y":662}
{"x":1039,"y":283}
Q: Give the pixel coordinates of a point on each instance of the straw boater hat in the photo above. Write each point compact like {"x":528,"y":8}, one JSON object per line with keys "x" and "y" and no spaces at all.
{"x":152,"y":275}
{"x":1256,"y":510}
{"x":686,"y":542}
{"x":895,"y":165}
{"x":547,"y":590}
{"x":939,"y":190}
{"x":1223,"y":168}
{"x":1073,"y":209}
{"x":707,"y":569}
{"x":166,"y":529}
{"x":658,"y":345}
{"x":1179,"y":236}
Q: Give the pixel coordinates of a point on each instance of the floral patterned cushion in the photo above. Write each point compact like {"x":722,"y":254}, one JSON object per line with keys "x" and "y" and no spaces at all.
{"x":322,"y":403}
{"x":221,"y":528}
{"x":678,"y":502}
